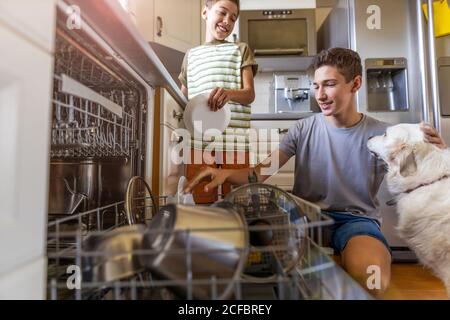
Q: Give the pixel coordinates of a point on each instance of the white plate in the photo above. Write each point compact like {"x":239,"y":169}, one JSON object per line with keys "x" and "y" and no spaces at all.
{"x":200,"y":120}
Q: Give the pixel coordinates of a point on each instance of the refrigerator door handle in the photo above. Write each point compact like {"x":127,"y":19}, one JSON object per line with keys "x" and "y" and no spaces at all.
{"x":426,"y":98}
{"x":433,"y":68}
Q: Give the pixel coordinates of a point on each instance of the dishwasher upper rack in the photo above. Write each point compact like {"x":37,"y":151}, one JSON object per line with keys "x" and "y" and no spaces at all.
{"x":81,"y":59}
{"x":82,"y":127}
{"x":315,"y":277}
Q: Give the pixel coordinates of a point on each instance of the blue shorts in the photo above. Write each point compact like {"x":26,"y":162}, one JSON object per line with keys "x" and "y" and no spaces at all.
{"x":347,"y":225}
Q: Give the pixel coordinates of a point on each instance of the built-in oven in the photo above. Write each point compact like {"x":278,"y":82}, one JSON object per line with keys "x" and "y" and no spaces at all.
{"x":279,"y":32}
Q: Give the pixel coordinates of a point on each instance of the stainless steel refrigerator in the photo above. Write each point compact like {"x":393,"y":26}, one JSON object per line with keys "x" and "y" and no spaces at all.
{"x":406,"y":71}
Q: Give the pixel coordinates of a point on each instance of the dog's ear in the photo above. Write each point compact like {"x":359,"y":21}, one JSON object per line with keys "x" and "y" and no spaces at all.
{"x":408,"y":165}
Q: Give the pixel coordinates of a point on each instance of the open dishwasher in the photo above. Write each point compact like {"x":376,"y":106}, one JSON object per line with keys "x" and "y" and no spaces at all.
{"x":283,"y":257}
{"x":98,"y":139}
{"x":98,"y":144}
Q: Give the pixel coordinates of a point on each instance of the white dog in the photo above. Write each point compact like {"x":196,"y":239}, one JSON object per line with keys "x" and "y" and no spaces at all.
{"x":419,"y":176}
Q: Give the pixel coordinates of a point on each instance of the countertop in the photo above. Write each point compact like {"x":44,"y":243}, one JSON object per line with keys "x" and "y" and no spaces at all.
{"x":116,"y":28}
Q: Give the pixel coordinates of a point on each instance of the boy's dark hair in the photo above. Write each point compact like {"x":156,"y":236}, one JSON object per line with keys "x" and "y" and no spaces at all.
{"x":345,"y":60}
{"x":209,"y":3}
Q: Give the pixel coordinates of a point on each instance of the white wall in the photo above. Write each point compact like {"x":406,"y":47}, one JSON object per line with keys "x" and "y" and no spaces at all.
{"x":263,"y":91}
{"x":321,"y":15}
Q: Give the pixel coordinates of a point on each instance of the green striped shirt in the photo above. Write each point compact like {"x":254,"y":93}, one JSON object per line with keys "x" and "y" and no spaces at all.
{"x":219,"y":64}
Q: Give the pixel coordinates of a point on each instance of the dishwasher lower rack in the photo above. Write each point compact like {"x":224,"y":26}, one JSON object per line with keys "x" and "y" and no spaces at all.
{"x":315,"y":277}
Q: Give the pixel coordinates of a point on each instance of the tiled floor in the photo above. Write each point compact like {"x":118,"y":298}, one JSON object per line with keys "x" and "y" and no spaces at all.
{"x":414,"y":282}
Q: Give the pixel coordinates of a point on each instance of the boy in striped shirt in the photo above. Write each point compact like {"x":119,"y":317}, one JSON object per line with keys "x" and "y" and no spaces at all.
{"x":225,"y":70}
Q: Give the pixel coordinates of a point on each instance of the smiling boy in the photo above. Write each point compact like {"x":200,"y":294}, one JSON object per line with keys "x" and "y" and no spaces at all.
{"x":333,"y":167}
{"x":225,"y":71}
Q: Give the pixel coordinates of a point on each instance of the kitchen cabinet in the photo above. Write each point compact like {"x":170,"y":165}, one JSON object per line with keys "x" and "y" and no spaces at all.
{"x":171,"y":152}
{"x":172,"y":23}
{"x":167,"y":144}
{"x":145,"y":17}
{"x":269,"y":136}
{"x":32,"y":20}
{"x":25,"y":92}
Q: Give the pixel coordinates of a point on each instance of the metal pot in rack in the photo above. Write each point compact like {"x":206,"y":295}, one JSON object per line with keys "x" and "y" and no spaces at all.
{"x":73,"y":186}
{"x":110,"y":256}
{"x":277,"y":228}
{"x":200,"y":250}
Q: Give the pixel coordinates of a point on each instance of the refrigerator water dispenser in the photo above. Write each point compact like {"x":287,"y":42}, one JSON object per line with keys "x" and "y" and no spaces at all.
{"x":387,"y":84}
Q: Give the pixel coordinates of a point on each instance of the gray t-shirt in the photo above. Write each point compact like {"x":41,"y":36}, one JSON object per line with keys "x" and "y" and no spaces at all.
{"x":333,"y":167}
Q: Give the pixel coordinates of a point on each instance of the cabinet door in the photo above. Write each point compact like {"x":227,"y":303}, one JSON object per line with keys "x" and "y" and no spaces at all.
{"x":172,"y":112}
{"x":34,"y":20}
{"x":25,"y":91}
{"x":171,"y":161}
{"x":177,"y":23}
{"x":172,"y":167}
{"x":145,"y":17}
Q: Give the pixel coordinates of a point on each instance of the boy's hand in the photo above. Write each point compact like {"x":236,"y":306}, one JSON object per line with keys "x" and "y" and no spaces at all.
{"x":432,"y":136}
{"x":218,"y":98}
{"x":217,"y":176}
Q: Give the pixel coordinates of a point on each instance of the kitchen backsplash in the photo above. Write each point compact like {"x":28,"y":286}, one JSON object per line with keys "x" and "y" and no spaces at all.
{"x":263,"y":92}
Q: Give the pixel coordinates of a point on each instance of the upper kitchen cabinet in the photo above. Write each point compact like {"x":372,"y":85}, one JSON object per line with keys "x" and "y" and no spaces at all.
{"x":172,"y":23}
{"x":177,"y":23}
{"x":144,"y":12}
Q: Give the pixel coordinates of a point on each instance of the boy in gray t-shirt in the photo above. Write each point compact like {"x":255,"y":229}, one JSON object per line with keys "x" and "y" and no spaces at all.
{"x":334,"y":168}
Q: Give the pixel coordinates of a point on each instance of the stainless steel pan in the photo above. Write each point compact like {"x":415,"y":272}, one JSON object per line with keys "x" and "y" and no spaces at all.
{"x":109,"y":256}
{"x":195,"y":246}
{"x":278,"y":229}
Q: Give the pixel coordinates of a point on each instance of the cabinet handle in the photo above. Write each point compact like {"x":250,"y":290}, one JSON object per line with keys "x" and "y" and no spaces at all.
{"x":281,"y":131}
{"x":177,"y":115}
{"x":159,"y":26}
